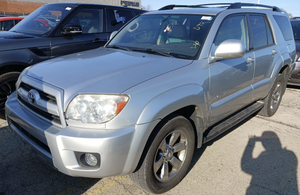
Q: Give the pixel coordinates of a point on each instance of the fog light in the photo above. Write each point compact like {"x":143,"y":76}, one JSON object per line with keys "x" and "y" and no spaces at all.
{"x":90,"y":159}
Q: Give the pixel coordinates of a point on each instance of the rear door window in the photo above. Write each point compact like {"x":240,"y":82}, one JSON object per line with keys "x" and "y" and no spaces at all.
{"x":258,"y":31}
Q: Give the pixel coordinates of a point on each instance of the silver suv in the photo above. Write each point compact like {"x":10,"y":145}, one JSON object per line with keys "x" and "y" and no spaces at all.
{"x":167,"y":82}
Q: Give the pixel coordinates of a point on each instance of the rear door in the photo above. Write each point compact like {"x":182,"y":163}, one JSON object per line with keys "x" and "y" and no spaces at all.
{"x":265,"y":51}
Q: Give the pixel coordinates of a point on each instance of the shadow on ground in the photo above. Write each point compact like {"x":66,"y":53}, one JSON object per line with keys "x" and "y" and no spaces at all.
{"x":22,"y":172}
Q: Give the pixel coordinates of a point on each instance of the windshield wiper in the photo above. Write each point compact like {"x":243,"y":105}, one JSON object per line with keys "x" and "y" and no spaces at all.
{"x":167,"y":54}
{"x":118,"y":47}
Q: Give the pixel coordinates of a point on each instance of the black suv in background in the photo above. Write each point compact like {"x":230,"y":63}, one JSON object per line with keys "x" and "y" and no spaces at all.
{"x":54,"y":30}
{"x":295,"y":77}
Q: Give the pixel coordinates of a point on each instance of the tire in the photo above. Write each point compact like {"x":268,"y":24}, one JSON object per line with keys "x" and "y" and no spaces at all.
{"x":7,"y":86}
{"x":272,"y":101}
{"x":168,"y":157}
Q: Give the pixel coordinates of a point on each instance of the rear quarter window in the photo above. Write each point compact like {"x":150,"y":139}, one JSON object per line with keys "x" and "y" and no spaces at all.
{"x":284,"y":26}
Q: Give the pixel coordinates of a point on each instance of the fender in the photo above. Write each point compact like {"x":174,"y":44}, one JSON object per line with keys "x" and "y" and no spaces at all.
{"x":283,"y":60}
{"x":175,"y":99}
{"x":158,"y":108}
{"x":23,"y":57}
{"x":172,"y":100}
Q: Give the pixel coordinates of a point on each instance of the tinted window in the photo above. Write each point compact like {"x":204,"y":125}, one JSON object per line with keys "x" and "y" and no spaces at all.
{"x":284,"y":26}
{"x":6,"y":25}
{"x":258,"y":31}
{"x":90,"y":20}
{"x":296,"y":29}
{"x":233,"y":27}
{"x":117,"y":18}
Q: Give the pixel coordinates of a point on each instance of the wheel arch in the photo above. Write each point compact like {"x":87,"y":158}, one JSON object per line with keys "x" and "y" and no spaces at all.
{"x":187,"y":101}
{"x":12,"y":66}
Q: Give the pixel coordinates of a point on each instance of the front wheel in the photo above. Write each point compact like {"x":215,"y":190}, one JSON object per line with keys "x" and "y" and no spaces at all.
{"x":168,"y":157}
{"x":7,"y":86}
{"x":274,"y":97}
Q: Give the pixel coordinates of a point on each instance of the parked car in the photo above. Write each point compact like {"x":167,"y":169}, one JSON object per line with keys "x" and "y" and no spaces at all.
{"x":167,"y":82}
{"x":54,"y":30}
{"x":295,"y":77}
{"x":8,"y":22}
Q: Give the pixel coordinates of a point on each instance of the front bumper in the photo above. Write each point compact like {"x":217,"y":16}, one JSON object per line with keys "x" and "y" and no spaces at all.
{"x":119,"y":153}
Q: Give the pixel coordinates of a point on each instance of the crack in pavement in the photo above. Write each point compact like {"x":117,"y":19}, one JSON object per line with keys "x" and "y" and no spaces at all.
{"x":277,"y":122}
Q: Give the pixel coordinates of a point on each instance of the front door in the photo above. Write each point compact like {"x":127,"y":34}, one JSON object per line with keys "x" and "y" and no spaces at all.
{"x":231,"y":79}
{"x":93,"y":34}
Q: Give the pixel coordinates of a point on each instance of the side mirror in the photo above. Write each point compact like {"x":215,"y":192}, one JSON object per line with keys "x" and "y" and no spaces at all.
{"x":71,"y":29}
{"x":113,"y":34}
{"x":229,"y":49}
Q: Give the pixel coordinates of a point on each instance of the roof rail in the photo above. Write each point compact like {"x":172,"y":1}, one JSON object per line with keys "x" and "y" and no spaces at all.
{"x":236,"y":5}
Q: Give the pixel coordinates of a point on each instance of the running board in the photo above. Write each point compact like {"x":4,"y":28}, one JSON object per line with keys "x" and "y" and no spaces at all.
{"x":232,"y":121}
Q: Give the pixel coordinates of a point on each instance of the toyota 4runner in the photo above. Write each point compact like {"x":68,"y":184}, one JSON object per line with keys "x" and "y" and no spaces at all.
{"x":167,"y":82}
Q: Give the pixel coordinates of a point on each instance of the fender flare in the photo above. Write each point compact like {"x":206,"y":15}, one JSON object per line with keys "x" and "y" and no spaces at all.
{"x":160,"y":107}
{"x":168,"y":102}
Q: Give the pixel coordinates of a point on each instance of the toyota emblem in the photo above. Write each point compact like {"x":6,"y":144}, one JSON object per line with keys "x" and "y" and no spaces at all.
{"x":31,"y":96}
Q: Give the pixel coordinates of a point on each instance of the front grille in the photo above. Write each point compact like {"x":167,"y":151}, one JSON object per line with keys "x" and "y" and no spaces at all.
{"x":38,"y":109}
{"x":44,"y":114}
{"x":43,"y":95}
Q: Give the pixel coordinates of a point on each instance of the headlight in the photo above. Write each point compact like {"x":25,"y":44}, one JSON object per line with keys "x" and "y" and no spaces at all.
{"x":95,"y":108}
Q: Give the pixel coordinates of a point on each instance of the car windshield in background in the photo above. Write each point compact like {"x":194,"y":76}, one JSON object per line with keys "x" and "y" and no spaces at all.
{"x":43,"y":20}
{"x":173,"y":35}
{"x":296,"y":29}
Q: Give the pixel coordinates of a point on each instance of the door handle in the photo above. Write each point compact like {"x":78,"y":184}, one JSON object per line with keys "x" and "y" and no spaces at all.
{"x":274,"y":52}
{"x":250,"y":60}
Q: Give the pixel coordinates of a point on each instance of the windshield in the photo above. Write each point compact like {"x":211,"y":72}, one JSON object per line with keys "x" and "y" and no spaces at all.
{"x":296,"y":29}
{"x":42,"y":20}
{"x":178,"y":35}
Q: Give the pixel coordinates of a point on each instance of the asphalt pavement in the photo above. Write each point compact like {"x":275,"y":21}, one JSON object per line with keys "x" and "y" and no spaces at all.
{"x":260,"y":156}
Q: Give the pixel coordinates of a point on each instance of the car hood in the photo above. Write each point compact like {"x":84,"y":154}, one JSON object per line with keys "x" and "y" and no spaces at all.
{"x":103,"y":70}
{"x":11,"y":41}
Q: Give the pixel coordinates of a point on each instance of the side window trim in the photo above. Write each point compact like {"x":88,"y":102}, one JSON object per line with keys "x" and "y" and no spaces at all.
{"x":268,"y":26}
{"x":246,"y":25}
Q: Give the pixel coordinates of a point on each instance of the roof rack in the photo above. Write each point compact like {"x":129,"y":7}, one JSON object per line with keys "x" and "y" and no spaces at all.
{"x":236,"y":5}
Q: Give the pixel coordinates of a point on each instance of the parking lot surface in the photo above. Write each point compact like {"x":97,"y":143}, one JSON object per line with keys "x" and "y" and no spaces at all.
{"x":260,"y":156}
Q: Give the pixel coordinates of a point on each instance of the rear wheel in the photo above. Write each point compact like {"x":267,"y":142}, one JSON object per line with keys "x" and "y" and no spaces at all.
{"x":168,"y":157}
{"x":7,"y":86}
{"x":274,"y":97}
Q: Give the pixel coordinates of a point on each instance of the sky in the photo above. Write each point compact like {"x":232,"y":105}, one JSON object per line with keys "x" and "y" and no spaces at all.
{"x":291,"y":6}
